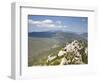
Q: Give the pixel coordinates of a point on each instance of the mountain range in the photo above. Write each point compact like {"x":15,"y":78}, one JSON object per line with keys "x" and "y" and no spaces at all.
{"x":58,"y":34}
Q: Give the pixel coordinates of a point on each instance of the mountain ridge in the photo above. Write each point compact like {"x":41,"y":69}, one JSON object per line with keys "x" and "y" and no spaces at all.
{"x":53,"y":34}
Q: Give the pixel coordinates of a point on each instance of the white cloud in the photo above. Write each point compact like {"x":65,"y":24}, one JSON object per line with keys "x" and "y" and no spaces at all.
{"x":46,"y":25}
{"x":34,"y":22}
{"x":47,"y":21}
{"x":43,"y":23}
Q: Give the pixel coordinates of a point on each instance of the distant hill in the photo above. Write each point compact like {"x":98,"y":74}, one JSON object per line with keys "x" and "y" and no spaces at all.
{"x":55,"y":34}
{"x":84,"y":35}
{"x":41,"y":34}
{"x":61,"y":36}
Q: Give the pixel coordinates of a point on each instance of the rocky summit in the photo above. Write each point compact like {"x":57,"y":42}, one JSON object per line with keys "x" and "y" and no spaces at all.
{"x":75,"y":52}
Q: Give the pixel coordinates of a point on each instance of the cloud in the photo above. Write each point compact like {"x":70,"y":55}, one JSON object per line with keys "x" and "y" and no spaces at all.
{"x":46,"y":24}
{"x":47,"y":21}
{"x":43,"y":23}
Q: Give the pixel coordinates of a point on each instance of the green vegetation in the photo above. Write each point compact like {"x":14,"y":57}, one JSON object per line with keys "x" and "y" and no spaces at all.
{"x":41,"y":48}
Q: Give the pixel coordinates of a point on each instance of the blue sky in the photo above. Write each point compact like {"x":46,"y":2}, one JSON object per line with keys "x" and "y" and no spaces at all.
{"x":40,"y":23}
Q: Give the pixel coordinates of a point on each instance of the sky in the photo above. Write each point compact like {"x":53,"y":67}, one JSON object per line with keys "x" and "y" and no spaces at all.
{"x":43,"y":23}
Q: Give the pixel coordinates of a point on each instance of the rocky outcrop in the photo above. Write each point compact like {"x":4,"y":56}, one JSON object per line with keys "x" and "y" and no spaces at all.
{"x":51,"y":58}
{"x":64,"y":61}
{"x":61,"y":53}
{"x":72,"y":53}
{"x":86,"y":50}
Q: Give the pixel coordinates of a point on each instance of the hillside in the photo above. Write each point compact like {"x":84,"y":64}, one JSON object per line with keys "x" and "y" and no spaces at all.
{"x":44,"y":44}
{"x":73,"y":53}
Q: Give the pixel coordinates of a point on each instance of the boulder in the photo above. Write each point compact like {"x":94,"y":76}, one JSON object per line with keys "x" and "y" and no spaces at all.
{"x":61,"y":53}
{"x":50,"y":58}
{"x":64,"y":61}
